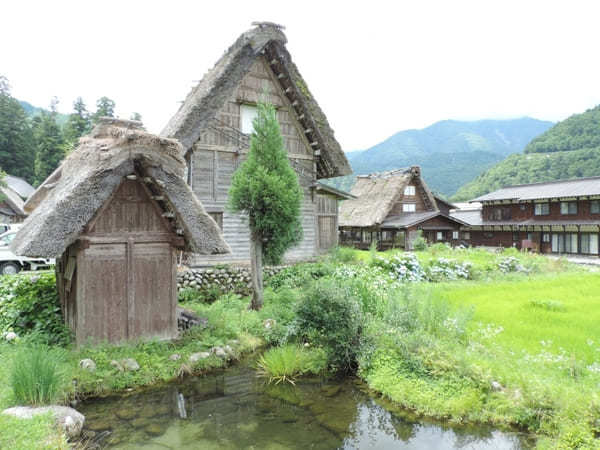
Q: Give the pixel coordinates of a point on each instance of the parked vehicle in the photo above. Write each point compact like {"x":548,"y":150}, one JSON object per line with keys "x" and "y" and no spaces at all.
{"x":11,"y":264}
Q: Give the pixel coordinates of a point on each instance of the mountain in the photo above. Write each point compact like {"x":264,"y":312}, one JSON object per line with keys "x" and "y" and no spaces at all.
{"x":570,"y":149}
{"x":450,"y":152}
{"x":33,"y":111}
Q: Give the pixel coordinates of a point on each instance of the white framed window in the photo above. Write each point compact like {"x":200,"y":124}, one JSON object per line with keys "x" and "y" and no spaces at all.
{"x":409,"y":190}
{"x":247,"y":114}
{"x":455,"y":235}
{"x":595,"y":207}
{"x":409,"y":207}
{"x":568,"y":207}
{"x":439,"y":236}
{"x":546,"y":237}
{"x":542,"y":209}
{"x":466,"y":235}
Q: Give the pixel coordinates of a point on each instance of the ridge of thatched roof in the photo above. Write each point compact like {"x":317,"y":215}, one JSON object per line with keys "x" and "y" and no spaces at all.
{"x":216,"y":87}
{"x":70,"y":197}
{"x":376,"y":195}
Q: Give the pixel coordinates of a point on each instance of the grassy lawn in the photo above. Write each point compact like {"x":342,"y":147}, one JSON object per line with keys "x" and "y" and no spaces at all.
{"x":559,"y":312}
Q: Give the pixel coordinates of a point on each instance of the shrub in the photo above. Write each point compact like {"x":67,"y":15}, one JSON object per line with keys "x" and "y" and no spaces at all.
{"x":344,"y":255}
{"x":403,"y":267}
{"x":419,"y":243}
{"x":299,"y":275}
{"x":290,"y":361}
{"x":510,"y":264}
{"x":30,"y":304}
{"x":444,"y":269}
{"x":35,"y":377}
{"x":329,"y":316}
{"x":189,"y":294}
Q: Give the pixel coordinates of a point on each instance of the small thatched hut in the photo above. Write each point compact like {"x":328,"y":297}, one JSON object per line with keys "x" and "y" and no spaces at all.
{"x":215,"y":121}
{"x":391,"y":207}
{"x":113,"y":214}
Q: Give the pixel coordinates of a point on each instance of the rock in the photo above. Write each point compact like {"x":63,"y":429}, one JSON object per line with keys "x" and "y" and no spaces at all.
{"x":175,"y":357}
{"x":87,"y":364}
{"x":228,"y":349}
{"x":68,"y":419}
{"x":130,"y":364}
{"x":117,"y":365}
{"x":10,"y":336}
{"x":496,"y":386}
{"x":269,"y":323}
{"x":195,"y":357}
{"x":219,"y":351}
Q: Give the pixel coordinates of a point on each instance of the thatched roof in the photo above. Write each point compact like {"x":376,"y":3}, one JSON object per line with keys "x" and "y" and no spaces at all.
{"x":19,"y":185}
{"x":69,"y":198}
{"x":13,"y":201}
{"x":216,"y":87}
{"x":376,"y":195}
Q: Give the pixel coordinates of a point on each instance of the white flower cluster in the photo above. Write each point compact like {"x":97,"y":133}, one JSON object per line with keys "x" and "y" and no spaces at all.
{"x":405,"y":267}
{"x":510,"y":264}
{"x":444,"y":269}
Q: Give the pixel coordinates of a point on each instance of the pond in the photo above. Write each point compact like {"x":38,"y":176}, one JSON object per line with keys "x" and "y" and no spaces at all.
{"x":234,"y":409}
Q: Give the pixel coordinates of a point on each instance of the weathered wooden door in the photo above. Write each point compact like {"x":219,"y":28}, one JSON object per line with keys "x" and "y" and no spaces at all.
{"x":126,"y":285}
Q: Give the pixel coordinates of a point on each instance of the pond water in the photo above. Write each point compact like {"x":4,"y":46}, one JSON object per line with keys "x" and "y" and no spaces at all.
{"x":236,"y":410}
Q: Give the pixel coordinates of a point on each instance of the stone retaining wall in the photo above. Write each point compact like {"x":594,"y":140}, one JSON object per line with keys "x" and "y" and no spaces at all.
{"x":223,"y":279}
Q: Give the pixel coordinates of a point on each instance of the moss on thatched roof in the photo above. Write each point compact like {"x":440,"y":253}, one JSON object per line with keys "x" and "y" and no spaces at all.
{"x":69,"y":198}
{"x":216,"y":87}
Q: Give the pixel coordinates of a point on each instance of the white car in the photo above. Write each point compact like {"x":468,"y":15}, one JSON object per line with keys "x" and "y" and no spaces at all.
{"x":11,"y":264}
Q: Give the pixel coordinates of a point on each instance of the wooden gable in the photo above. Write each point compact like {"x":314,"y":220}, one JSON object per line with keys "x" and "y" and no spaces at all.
{"x":421,"y":200}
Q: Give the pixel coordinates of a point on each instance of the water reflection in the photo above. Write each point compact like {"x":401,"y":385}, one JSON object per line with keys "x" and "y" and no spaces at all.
{"x":235,"y":410}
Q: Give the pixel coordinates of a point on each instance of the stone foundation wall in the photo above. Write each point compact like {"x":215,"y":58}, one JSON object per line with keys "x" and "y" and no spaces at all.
{"x":224,"y":279}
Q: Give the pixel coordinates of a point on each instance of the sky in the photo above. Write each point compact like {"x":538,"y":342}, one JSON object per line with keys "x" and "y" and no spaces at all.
{"x":375,"y":67}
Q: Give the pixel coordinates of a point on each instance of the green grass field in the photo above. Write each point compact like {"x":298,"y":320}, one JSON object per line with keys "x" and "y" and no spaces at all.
{"x":553,"y":312}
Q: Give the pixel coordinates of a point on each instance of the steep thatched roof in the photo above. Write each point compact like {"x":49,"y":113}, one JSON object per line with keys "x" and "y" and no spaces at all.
{"x":209,"y":96}
{"x":376,"y":195}
{"x":69,"y":198}
{"x":19,"y":185}
{"x":13,"y":201}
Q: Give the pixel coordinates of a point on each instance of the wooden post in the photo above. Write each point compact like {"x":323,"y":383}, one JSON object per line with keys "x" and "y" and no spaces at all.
{"x":257,"y":275}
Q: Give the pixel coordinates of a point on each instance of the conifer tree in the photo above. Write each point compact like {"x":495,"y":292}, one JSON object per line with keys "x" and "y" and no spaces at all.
{"x":105,"y":107}
{"x":50,"y":143}
{"x":17,"y":145}
{"x":78,"y":123}
{"x":266,"y":189}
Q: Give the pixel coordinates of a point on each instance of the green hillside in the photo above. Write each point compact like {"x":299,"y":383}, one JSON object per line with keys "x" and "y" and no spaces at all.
{"x":33,"y":111}
{"x":450,"y":152}
{"x":570,"y":149}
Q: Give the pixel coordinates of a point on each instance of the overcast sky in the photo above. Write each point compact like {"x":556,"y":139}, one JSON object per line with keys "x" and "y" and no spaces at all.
{"x":374,"y":67}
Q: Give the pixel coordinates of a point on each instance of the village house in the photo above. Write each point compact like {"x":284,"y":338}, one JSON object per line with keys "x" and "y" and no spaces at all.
{"x":214,"y":124}
{"x":551,"y":217}
{"x":391,"y":208}
{"x":14,"y":193}
{"x":115,"y":215}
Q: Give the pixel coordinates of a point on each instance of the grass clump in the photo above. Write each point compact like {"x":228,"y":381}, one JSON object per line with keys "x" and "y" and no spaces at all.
{"x":36,"y":378}
{"x":286,"y":363}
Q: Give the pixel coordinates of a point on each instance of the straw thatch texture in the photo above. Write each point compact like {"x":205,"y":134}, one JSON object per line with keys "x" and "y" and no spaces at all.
{"x":12,"y":199}
{"x":216,"y":87}
{"x":66,"y":202}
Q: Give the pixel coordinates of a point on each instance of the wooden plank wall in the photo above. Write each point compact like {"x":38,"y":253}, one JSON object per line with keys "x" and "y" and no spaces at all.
{"x":327,"y":222}
{"x":218,"y":154}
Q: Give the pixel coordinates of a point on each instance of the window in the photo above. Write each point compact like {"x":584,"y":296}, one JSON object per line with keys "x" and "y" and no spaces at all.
{"x":386,"y":236}
{"x":589,"y":243}
{"x":217,"y":217}
{"x":571,"y":242}
{"x":515,"y":236}
{"x":542,"y":209}
{"x":523,"y":207}
{"x":558,"y":243}
{"x":568,"y":207}
{"x":546,"y":237}
{"x":247,"y":115}
{"x":409,"y":190}
{"x":595,"y":206}
{"x":466,"y":235}
{"x":409,"y":207}
{"x":500,"y":214}
{"x":366,"y":236}
{"x":530,"y":236}
{"x":455,"y":235}
{"x":439,"y":236}
{"x":488,"y":235}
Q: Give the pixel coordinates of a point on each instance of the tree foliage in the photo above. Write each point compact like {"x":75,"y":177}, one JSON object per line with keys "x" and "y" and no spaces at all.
{"x":17,"y":145}
{"x":50,"y":145}
{"x":105,"y":107}
{"x":570,"y":149}
{"x":78,"y":123}
{"x":266,"y":189}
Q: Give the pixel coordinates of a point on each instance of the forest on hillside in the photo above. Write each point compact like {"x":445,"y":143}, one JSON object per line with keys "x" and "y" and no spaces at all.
{"x":33,"y":141}
{"x":570,"y":149}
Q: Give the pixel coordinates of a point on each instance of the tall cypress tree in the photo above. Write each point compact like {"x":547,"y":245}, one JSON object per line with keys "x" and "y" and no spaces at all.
{"x":17,"y":145}
{"x":50,"y":144}
{"x":78,"y":123}
{"x":105,"y":107}
{"x":266,"y":189}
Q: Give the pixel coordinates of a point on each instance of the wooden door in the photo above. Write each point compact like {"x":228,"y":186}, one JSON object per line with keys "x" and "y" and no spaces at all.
{"x":327,"y":232}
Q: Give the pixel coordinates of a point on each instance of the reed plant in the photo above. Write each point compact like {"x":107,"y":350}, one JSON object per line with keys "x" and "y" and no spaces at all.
{"x":36,"y":377}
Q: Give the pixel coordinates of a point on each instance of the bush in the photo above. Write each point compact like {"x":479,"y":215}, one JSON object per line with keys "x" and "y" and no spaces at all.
{"x":444,"y":269}
{"x":299,"y":275}
{"x":189,"y":294}
{"x":30,"y":304}
{"x":290,"y":361}
{"x":419,"y":243}
{"x":403,"y":267}
{"x":35,"y":377}
{"x":329,"y":316}
{"x":344,"y":255}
